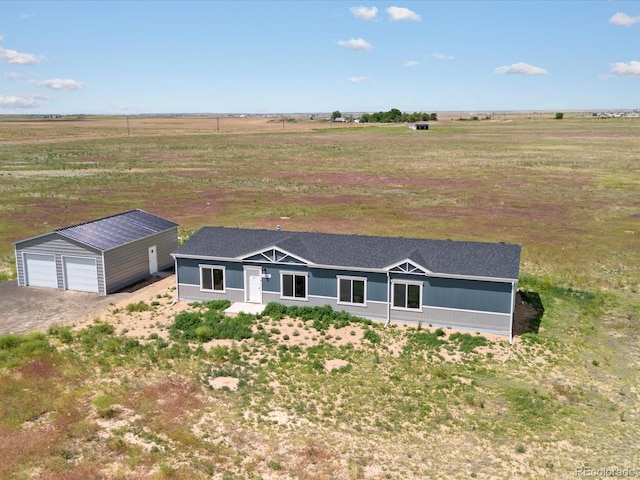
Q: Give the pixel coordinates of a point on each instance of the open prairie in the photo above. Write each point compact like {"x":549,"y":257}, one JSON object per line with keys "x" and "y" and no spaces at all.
{"x":135,"y":396}
{"x":567,"y":190}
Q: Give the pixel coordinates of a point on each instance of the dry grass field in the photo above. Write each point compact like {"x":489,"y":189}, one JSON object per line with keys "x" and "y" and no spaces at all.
{"x":128,"y":397}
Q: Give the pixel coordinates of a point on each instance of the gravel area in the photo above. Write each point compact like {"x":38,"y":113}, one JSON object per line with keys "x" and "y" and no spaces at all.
{"x":27,"y":309}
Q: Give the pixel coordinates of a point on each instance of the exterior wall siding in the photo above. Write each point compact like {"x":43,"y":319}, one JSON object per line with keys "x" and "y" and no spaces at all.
{"x":188,"y":272}
{"x":58,"y":246}
{"x":447,"y":302}
{"x":467,"y":294}
{"x":192,"y":293}
{"x":129,"y":263}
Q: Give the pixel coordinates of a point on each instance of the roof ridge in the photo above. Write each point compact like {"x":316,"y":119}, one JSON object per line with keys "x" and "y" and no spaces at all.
{"x":100,"y":219}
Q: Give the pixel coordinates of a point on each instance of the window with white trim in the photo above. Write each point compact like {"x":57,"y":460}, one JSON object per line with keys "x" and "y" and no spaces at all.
{"x":352,"y":290}
{"x":293,"y":285}
{"x":211,"y":278}
{"x":407,"y":295}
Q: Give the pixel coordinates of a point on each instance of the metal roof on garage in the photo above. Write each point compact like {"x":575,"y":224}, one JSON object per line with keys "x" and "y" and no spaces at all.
{"x":116,"y":230}
{"x":111,"y":232}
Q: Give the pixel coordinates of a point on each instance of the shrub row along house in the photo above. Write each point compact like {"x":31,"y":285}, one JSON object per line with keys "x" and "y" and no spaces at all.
{"x":468,"y":285}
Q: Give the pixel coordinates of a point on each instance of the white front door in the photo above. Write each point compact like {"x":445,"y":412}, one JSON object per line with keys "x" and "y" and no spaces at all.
{"x":153,"y":260}
{"x":253,"y":289}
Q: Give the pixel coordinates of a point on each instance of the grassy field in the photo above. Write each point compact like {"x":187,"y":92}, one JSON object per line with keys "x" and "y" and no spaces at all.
{"x":97,"y":402}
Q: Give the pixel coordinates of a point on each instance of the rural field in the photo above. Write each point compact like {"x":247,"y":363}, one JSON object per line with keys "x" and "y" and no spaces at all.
{"x":156,"y":390}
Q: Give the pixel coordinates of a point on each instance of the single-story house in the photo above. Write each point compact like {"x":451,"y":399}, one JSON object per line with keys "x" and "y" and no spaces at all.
{"x":466,"y":285}
{"x":100,"y":256}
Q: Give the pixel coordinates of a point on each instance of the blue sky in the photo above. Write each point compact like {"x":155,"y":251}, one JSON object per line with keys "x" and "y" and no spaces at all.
{"x":126,"y":57}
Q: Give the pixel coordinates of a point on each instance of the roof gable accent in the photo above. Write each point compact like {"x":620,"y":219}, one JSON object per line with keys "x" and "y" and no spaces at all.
{"x":116,"y":230}
{"x":275,"y":255}
{"x":407,"y":266}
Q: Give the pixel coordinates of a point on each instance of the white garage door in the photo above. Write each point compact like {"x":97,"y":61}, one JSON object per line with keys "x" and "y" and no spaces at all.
{"x":81,"y":274}
{"x":40,"y":270}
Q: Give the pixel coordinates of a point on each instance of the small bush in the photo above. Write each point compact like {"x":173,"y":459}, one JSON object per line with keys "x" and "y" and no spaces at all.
{"x":372,"y":336}
{"x":104,"y":406}
{"x":204,"y":333}
{"x":138,"y":307}
{"x":468,"y":342}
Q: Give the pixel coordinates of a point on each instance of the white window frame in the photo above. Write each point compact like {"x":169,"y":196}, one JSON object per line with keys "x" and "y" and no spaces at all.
{"x":351,"y":278}
{"x":295,"y":274}
{"x":406,"y":283}
{"x":224,"y":278}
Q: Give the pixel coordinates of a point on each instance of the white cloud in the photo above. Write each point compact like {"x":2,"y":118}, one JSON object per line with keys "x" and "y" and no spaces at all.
{"x":355,"y":44}
{"x":520,"y":69}
{"x":13,"y":76}
{"x":397,"y":14}
{"x":1,"y":37}
{"x":410,"y":63}
{"x":59,"y":84}
{"x":623,"y":19}
{"x":17,"y":58}
{"x":441,"y":56}
{"x":365,"y":13}
{"x":356,"y":79}
{"x":17,"y":102}
{"x":631,"y":69}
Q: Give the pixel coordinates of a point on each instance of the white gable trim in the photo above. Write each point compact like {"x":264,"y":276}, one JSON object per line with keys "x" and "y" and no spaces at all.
{"x":408,"y":267}
{"x":274,"y":255}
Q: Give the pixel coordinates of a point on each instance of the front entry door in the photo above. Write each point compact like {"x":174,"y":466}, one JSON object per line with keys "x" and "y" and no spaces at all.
{"x":253,"y":290}
{"x":153,"y":260}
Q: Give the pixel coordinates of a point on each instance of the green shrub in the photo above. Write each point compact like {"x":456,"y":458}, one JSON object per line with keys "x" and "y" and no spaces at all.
{"x":204,"y":333}
{"x":372,"y":336}
{"x":104,"y":406}
{"x":138,"y":307}
{"x":421,"y":340}
{"x":205,"y":326}
{"x":467,"y":342}
{"x":275,"y":310}
{"x":19,"y":349}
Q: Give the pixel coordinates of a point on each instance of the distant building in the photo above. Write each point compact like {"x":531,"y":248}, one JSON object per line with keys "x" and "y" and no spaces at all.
{"x":420,"y":126}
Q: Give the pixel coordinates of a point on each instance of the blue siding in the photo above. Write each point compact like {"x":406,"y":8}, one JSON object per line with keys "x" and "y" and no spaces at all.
{"x":467,"y":295}
{"x":325,"y":283}
{"x":189,"y":272}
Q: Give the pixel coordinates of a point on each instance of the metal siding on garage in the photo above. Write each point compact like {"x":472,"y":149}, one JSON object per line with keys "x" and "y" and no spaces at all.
{"x":81,"y":274}
{"x":40,"y":270}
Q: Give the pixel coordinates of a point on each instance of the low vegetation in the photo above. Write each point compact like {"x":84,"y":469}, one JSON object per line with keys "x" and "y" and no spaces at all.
{"x":311,"y":393}
{"x":314,"y":391}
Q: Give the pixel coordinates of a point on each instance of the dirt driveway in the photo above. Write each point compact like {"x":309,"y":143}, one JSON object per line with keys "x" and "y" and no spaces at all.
{"x":26,"y":309}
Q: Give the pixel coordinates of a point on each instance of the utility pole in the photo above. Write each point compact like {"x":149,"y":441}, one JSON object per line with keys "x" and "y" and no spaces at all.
{"x":128,"y":132}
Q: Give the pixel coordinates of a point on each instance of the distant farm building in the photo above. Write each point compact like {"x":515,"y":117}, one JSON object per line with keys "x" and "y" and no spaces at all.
{"x":101,"y":256}
{"x":420,"y":126}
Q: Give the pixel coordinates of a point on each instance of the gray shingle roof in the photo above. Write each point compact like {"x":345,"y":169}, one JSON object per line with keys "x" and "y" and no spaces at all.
{"x":446,"y":257}
{"x":110,"y":232}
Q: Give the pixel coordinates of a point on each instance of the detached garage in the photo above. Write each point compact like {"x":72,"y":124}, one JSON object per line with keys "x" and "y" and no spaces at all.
{"x":101,"y":256}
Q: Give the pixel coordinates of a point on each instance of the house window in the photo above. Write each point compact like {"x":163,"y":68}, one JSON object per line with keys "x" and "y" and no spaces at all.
{"x":211,"y":278}
{"x":352,"y":290}
{"x":293,"y":285}
{"x":407,"y":295}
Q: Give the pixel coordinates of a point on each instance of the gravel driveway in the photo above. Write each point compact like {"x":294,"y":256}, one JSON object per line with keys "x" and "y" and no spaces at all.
{"x":26,"y":309}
